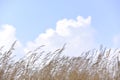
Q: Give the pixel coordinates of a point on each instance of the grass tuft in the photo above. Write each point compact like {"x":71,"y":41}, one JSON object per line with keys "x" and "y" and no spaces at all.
{"x":99,"y":64}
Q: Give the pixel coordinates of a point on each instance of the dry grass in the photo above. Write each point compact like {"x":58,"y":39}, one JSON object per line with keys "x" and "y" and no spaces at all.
{"x":38,"y":65}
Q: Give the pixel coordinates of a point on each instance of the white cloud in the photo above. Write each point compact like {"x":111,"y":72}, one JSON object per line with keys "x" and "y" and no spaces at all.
{"x":78,"y":34}
{"x":7,"y":37}
{"x":7,"y":33}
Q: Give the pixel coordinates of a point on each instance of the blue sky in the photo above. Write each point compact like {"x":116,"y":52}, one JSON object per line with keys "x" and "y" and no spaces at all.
{"x":31,"y":18}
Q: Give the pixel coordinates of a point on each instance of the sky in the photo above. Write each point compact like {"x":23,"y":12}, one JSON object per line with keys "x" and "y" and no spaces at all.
{"x":81,"y":24}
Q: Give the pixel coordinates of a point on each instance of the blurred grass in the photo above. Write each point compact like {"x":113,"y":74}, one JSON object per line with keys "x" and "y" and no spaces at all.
{"x":102,"y":64}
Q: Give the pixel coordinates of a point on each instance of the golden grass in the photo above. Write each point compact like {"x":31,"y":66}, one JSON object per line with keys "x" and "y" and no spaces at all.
{"x":38,"y":65}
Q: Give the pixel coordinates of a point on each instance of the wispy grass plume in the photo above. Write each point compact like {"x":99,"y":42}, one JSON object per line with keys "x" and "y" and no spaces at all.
{"x":102,"y":64}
